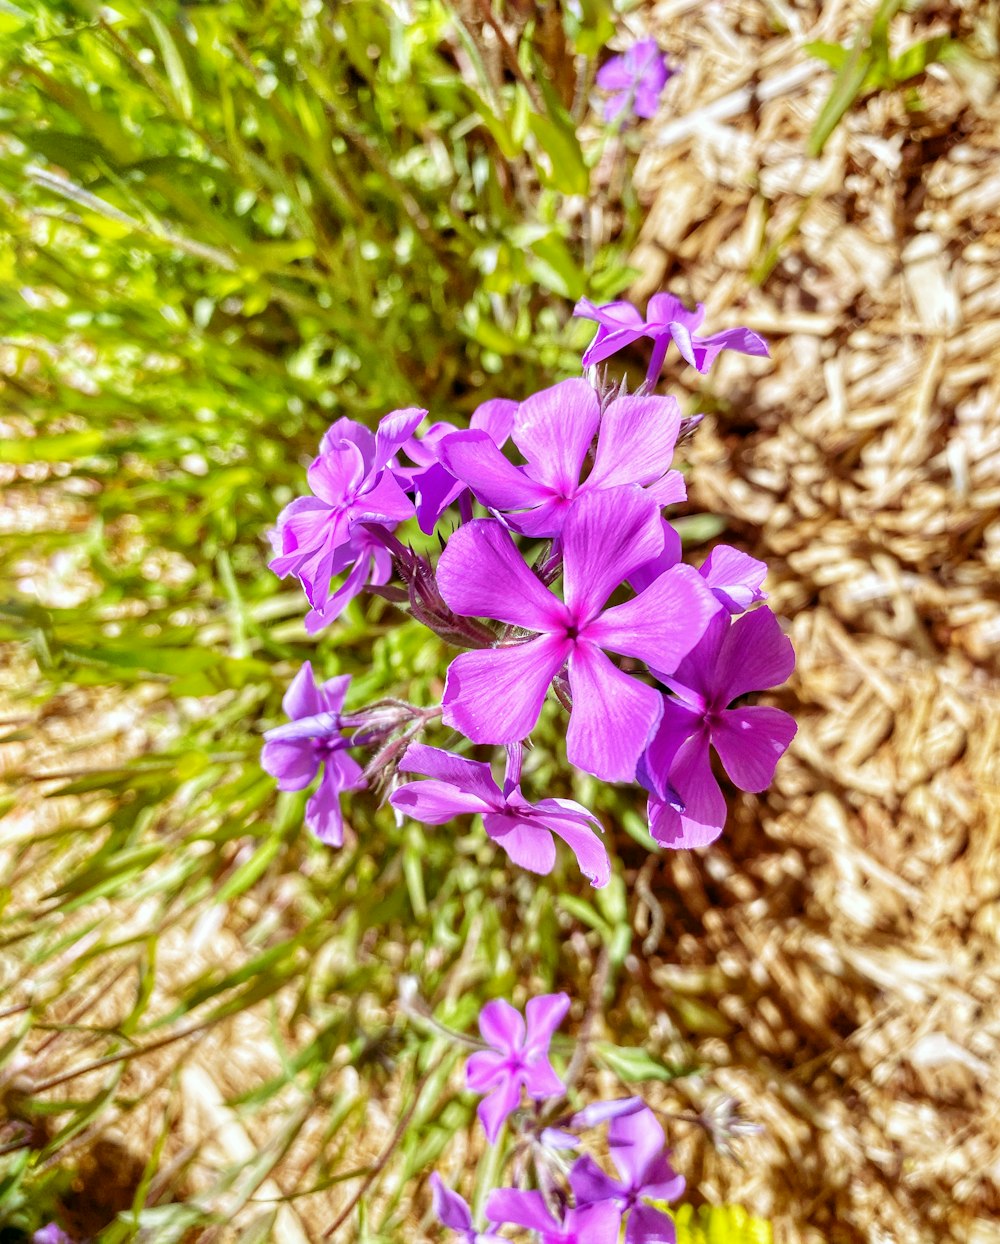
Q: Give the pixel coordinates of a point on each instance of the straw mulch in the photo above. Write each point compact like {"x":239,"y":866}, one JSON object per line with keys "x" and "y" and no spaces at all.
{"x":846,"y":929}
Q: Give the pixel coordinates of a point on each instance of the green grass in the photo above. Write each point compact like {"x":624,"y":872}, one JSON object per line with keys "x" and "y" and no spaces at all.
{"x":223,"y":226}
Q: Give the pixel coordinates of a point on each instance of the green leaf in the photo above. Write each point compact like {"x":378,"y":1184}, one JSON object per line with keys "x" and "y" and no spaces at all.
{"x":62,"y":447}
{"x":567,"y":170}
{"x":915,"y":59}
{"x":633,"y":1064}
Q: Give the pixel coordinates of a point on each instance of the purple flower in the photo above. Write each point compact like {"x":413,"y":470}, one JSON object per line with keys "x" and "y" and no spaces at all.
{"x":519,"y":1055}
{"x":495,"y":695}
{"x":51,"y":1234}
{"x":667,"y":319}
{"x":637,"y":1149}
{"x":434,"y":486}
{"x":686,"y":805}
{"x":460,"y":787}
{"x":636,"y":80}
{"x":317,"y":538}
{"x":593,"y":1224}
{"x":732,"y":576}
{"x":554,"y":429}
{"x":452,"y":1211}
{"x":293,"y":753}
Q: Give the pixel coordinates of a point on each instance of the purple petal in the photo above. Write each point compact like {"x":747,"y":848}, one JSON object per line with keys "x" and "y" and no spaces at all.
{"x":608,"y":342}
{"x":607,"y":535}
{"x":554,"y":429}
{"x":593,"y":1224}
{"x":293,"y":762}
{"x":496,"y":695}
{"x":434,"y":489}
{"x":502,"y":1026}
{"x":482,"y":574}
{"x":484,"y":1070}
{"x":450,"y":1209}
{"x":647,"y":1225}
{"x":636,"y":441}
{"x":696,"y":678}
{"x":335,"y":476}
{"x":527,"y":844}
{"x":754,"y":655}
{"x":473,"y":458}
{"x":601,"y":1111}
{"x":333,"y":693}
{"x":393,"y":431}
{"x":668,"y":556}
{"x":636,"y":1141}
{"x":520,"y":1209}
{"x":615,"y":74}
{"x":348,"y":432}
{"x":670,"y":490}
{"x":590,"y":1184}
{"x":302,"y":699}
{"x":543,"y":1015}
{"x":667,"y":309}
{"x":435,"y":803}
{"x":590,"y":852}
{"x":704,"y":812}
{"x":473,"y":776}
{"x":750,"y":742}
{"x":662,"y":1182}
{"x":541,"y":1081}
{"x":662,"y":624}
{"x":494,"y":1110}
{"x":558,"y":1138}
{"x":323,"y":814}
{"x":704,"y":350}
{"x":734,"y":577}
{"x":611,"y":315}
{"x":612,"y":719}
{"x":496,"y":417}
{"x":334,"y":605}
{"x":383,"y":501}
{"x":677,"y":723}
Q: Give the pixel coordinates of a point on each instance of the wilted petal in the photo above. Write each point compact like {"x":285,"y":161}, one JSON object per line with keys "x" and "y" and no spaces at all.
{"x":608,"y":533}
{"x":554,"y":429}
{"x":661,"y":624}
{"x":496,"y":695}
{"x":750,"y":742}
{"x":482,"y":574}
{"x":612,"y":719}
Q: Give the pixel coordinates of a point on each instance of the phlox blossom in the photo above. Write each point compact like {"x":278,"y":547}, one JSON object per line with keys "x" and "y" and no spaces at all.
{"x":312,"y":739}
{"x":519,"y":1056}
{"x":686,"y":805}
{"x":453,"y":1212}
{"x":495,"y":695}
{"x":591,"y":1224}
{"x":667,"y":320}
{"x":554,"y":430}
{"x":635,"y":79}
{"x":460,"y":787}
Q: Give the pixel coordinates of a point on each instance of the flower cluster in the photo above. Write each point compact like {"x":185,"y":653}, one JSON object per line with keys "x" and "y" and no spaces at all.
{"x":574,"y":1203}
{"x":567,"y":585}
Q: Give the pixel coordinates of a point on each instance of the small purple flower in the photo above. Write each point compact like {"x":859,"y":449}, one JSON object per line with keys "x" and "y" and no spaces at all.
{"x":667,"y":319}
{"x":293,"y":753}
{"x":453,"y":1212}
{"x":686,"y":805}
{"x":591,"y":1224}
{"x":51,"y":1234}
{"x":317,"y":538}
{"x":636,"y":79}
{"x":554,"y":430}
{"x":519,"y":1056}
{"x":495,"y":695}
{"x":637,"y":1149}
{"x":460,"y":787}
{"x":433,"y":485}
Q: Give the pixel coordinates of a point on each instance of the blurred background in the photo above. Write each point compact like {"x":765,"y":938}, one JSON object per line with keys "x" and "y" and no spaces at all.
{"x":225,"y":225}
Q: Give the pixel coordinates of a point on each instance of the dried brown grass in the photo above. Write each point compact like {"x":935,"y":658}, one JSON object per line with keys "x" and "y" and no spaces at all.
{"x":850,"y":918}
